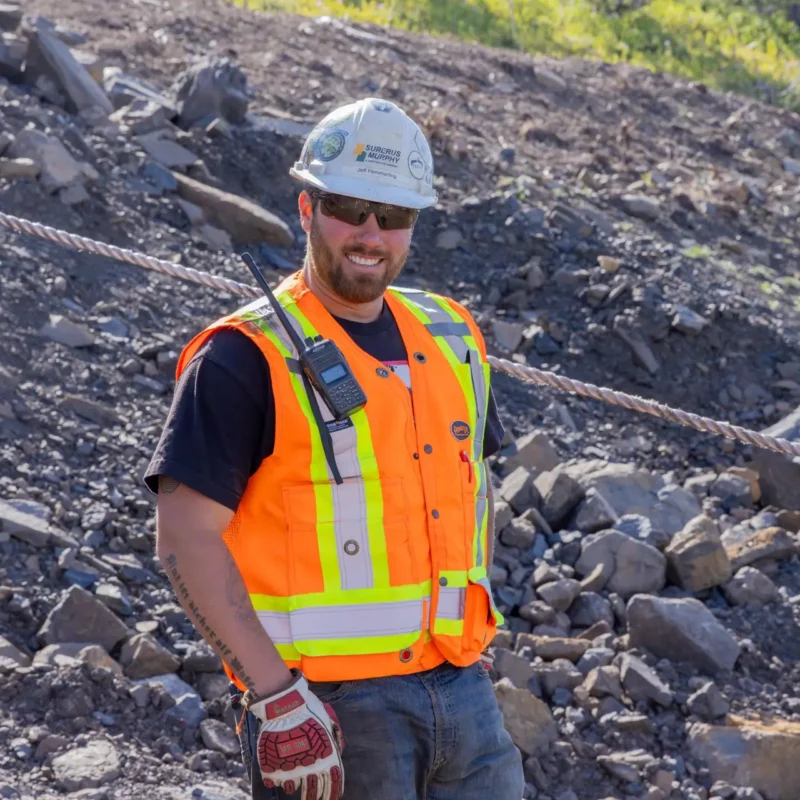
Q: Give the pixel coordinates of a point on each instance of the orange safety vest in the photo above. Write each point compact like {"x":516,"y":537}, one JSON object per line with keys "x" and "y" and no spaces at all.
{"x":384,"y":573}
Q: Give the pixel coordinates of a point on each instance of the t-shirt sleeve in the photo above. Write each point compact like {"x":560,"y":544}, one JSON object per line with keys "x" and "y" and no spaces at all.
{"x":221,"y":424}
{"x":495,"y":431}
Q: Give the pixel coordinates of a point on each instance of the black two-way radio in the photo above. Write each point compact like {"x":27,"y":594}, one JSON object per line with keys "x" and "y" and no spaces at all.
{"x":320,"y":359}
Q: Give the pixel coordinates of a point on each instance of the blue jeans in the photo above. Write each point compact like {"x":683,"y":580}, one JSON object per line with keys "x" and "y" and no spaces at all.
{"x":435,"y":735}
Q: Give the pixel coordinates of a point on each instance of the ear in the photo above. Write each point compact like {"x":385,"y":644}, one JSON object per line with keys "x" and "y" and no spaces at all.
{"x":305,"y":206}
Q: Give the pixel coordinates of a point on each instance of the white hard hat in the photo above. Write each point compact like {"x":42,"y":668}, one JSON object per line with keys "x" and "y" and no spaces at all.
{"x":372,"y":150}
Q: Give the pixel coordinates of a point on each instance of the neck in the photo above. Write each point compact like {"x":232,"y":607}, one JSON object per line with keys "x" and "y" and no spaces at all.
{"x":357,"y":312}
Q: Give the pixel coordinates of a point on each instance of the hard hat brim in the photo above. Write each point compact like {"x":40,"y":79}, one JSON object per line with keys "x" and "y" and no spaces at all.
{"x":363,"y":190}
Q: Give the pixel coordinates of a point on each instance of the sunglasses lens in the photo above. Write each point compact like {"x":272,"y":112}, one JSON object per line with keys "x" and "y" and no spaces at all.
{"x":355,"y":212}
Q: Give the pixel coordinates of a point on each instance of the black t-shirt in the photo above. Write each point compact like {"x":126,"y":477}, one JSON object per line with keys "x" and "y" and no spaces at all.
{"x":221,"y":424}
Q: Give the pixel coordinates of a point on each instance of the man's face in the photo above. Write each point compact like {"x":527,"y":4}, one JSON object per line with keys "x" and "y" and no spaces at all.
{"x":357,"y":262}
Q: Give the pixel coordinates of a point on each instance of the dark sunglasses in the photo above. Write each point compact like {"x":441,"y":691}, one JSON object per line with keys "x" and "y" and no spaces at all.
{"x":354,"y":211}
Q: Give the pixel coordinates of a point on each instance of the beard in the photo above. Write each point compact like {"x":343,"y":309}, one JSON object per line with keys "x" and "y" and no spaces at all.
{"x":352,"y":287}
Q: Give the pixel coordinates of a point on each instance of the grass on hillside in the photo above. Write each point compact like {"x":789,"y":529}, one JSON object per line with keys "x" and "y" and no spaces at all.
{"x":748,"y":46}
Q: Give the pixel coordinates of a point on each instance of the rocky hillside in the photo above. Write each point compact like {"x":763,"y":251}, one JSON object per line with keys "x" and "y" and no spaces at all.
{"x":613,"y":225}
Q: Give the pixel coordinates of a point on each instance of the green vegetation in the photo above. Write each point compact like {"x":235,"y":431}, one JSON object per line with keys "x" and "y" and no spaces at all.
{"x":749,"y":46}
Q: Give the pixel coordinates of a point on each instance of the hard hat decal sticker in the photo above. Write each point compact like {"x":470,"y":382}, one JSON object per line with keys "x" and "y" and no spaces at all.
{"x":460,"y":430}
{"x":375,"y":154}
{"x":416,"y":166}
{"x":330,"y":145}
{"x":381,"y":106}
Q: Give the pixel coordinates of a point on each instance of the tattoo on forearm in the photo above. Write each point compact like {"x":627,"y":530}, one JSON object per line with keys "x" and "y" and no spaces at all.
{"x":167,"y":485}
{"x":198,"y":619}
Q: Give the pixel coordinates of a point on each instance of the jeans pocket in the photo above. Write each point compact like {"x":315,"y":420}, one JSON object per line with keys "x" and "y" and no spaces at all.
{"x":330,"y":691}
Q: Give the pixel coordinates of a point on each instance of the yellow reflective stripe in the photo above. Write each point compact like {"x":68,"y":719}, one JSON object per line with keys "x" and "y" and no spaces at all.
{"x":368,"y":465}
{"x":477,"y":574}
{"x":456,"y":578}
{"x":362,"y":646}
{"x":288,"y":652}
{"x":417,"y":591}
{"x":448,"y":627}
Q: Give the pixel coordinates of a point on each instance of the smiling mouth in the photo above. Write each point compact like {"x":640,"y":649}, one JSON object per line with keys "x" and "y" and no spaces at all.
{"x":364,"y":261}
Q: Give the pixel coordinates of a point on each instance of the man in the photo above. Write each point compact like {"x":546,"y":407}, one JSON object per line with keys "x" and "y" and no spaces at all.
{"x":338,"y":566}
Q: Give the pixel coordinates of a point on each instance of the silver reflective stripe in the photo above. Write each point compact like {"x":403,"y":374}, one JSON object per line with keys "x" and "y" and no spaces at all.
{"x":294,"y":366}
{"x":479,"y":388}
{"x":344,"y":622}
{"x":276,"y":624}
{"x":449,"y":328}
{"x":451,"y":602}
{"x":487,"y":587}
{"x":350,"y":526}
{"x":481,"y":502}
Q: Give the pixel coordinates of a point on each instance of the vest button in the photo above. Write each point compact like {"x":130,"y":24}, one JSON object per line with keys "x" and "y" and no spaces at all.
{"x":435,"y":514}
{"x":420,"y":357}
{"x":406,"y":656}
{"x":442,"y":581}
{"x":351,"y":547}
{"x":382,"y":373}
{"x":416,"y":455}
{"x":428,"y":448}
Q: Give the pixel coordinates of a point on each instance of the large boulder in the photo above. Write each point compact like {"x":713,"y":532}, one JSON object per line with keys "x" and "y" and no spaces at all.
{"x":681,"y":630}
{"x":630,"y":490}
{"x":526,"y":717}
{"x":634,"y":566}
{"x":779,"y":475}
{"x":763,"y":754}
{"x":80,"y":617}
{"x":696,"y":557}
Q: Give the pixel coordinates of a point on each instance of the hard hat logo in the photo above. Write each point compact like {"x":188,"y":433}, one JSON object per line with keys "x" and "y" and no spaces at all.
{"x":397,"y":171}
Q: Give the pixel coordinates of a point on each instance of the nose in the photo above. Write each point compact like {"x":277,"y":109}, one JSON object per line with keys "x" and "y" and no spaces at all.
{"x":369,"y":232}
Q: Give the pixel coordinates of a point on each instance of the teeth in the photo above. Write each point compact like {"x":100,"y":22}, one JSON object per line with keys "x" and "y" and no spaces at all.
{"x":364,"y":262}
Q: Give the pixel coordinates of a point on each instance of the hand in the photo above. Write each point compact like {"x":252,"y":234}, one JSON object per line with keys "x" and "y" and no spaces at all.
{"x":300,"y":743}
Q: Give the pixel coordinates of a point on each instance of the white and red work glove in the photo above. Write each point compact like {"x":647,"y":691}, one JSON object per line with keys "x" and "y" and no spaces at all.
{"x":300,"y":743}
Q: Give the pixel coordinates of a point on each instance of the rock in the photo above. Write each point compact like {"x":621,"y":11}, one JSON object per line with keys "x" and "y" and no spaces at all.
{"x":526,"y":718}
{"x":507,"y":335}
{"x":48,"y":55}
{"x":780,"y":474}
{"x":211,"y":87}
{"x":58,"y":655}
{"x":513,"y":667}
{"x":212,"y":685}
{"x":641,"y":683}
{"x":188,"y":708}
{"x":193,"y":212}
{"x":60,"y":329}
{"x":518,"y":533}
{"x":734,"y":491}
{"x":751,"y":476}
{"x":595,"y":657}
{"x":13,"y":168}
{"x":80,"y":617}
{"x":537,"y":612}
{"x":630,"y":490}
{"x":609,"y":264}
{"x":143,"y":656}
{"x":560,"y":493}
{"x":767,"y":544}
{"x":603,"y":682}
{"x":597,"y":578}
{"x":115,"y":598}
{"x":166,"y":151}
{"x":26,"y":521}
{"x":688,"y":321}
{"x":218,"y":736}
{"x":558,"y":674}
{"x":594,"y":513}
{"x":708,"y":703}
{"x":99,"y":413}
{"x":519,"y":490}
{"x":559,"y":594}
{"x":588,"y":609}
{"x":792,"y":166}
{"x":57,"y":167}
{"x":696,"y":557}
{"x":634,"y":566}
{"x":534,"y":451}
{"x":549,"y":79}
{"x":244,"y":220}
{"x":449,"y":239}
{"x":763,"y":754}
{"x":642,"y":529}
{"x":201,"y":658}
{"x":681,"y":630}
{"x":551,"y":649}
{"x":11,"y":657}
{"x":96,"y":656}
{"x":752,"y":586}
{"x":90,"y":766}
{"x":637,"y":205}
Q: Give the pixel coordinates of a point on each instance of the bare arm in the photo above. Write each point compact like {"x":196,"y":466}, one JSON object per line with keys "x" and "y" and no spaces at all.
{"x":210,"y":588}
